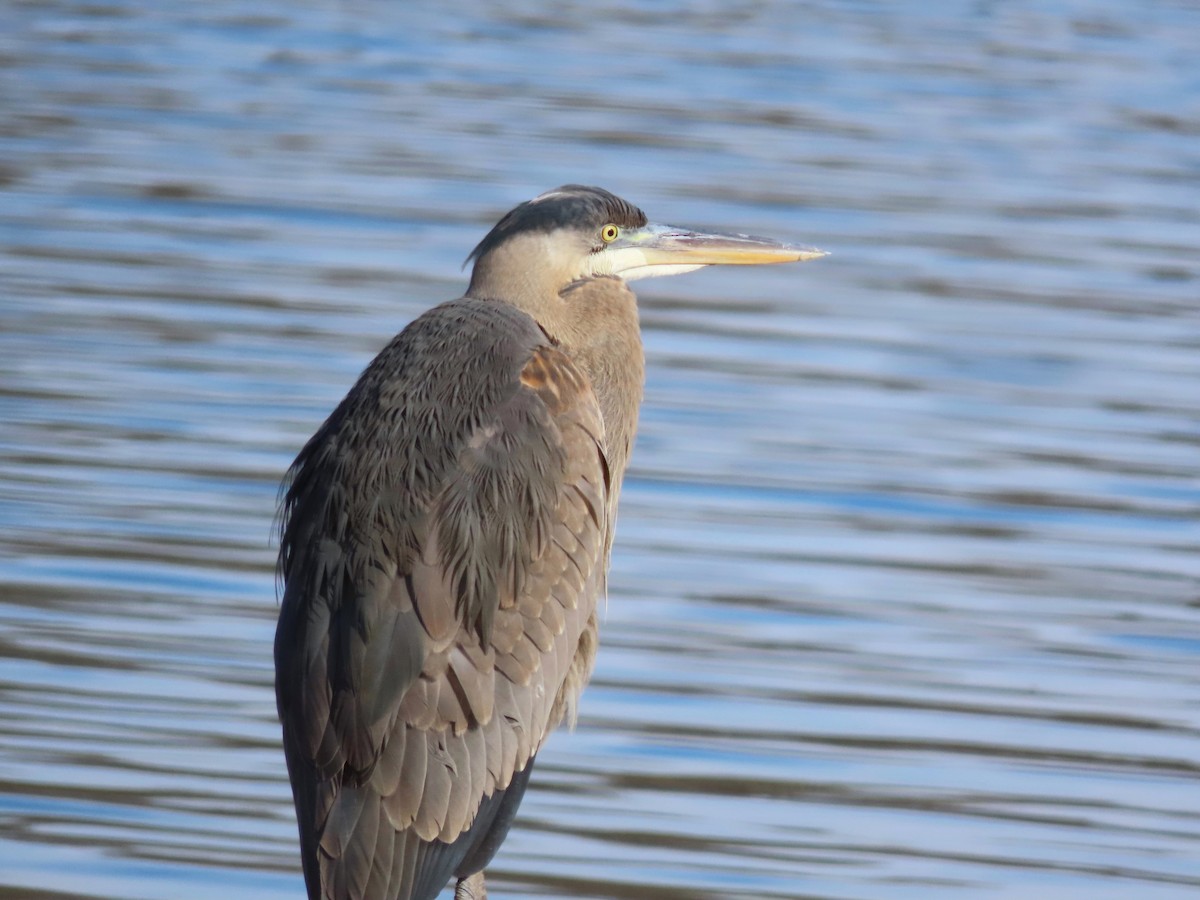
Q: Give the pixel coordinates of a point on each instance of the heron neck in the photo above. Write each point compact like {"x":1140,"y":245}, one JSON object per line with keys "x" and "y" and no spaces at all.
{"x":597,"y":326}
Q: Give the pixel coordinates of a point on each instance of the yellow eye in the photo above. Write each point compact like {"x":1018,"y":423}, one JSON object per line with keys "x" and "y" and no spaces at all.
{"x":609,"y":233}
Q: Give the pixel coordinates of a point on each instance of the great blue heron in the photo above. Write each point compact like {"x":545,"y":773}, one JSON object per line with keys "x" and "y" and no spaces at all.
{"x":445,"y":536}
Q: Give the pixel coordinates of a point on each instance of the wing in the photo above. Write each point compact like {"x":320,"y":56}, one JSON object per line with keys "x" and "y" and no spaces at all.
{"x":445,"y":539}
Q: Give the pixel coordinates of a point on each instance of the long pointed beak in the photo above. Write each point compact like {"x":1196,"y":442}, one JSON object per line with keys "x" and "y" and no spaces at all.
{"x":666,"y":250}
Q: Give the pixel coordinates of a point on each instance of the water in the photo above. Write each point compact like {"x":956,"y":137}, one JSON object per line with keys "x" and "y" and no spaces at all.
{"x":905,"y":600}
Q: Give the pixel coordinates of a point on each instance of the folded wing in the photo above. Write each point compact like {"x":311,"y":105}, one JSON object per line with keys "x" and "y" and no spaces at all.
{"x":445,"y":539}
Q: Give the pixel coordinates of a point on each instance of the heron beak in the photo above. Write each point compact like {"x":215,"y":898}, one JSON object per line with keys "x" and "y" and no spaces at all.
{"x":666,"y":250}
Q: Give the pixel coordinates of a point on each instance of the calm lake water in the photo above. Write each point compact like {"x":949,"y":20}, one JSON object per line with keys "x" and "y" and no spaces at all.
{"x":905,"y":599}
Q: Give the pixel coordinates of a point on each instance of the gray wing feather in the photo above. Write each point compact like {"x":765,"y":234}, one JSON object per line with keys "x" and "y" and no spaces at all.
{"x":443,"y":545}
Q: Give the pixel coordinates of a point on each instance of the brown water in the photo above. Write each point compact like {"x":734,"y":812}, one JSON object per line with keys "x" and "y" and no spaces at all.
{"x":905,"y":601}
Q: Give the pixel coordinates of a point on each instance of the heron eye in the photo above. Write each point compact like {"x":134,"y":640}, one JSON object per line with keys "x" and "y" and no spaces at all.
{"x":609,"y":233}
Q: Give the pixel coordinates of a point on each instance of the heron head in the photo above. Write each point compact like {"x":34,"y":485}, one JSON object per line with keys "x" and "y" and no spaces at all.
{"x":575,"y":232}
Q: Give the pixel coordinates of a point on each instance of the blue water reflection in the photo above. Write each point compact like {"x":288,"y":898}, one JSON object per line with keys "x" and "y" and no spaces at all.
{"x":906,"y":594}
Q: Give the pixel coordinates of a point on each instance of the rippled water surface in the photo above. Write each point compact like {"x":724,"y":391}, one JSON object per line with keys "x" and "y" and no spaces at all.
{"x":905,"y":601}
